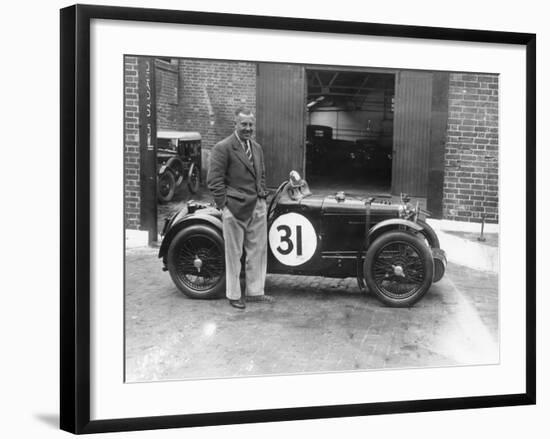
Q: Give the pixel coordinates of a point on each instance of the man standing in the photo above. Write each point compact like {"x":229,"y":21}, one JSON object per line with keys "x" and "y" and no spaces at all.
{"x":236,"y":178}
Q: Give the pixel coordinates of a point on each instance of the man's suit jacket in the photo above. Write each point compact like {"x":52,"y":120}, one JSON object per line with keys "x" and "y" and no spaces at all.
{"x":233,"y":180}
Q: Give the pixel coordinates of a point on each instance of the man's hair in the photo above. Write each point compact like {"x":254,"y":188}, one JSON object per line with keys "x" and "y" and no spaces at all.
{"x":244,"y":111}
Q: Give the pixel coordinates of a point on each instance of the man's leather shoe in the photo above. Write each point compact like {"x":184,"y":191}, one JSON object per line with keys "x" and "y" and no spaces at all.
{"x":237,"y":303}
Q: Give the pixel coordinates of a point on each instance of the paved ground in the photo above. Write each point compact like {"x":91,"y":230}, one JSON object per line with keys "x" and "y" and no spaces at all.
{"x":315,"y":325}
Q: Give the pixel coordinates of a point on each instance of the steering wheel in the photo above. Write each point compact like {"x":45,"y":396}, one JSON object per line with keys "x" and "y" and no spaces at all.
{"x":275,"y":198}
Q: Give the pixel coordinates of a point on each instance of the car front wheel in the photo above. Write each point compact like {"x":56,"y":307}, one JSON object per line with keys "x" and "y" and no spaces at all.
{"x":196,"y":262}
{"x":398,"y":268}
{"x":193,"y":179}
{"x":166,"y":186}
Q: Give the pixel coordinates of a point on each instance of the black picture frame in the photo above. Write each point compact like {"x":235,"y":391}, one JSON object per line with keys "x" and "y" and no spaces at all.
{"x":75,"y":218}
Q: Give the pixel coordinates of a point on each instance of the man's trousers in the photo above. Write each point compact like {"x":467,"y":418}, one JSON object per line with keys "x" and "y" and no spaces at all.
{"x":252,"y":235}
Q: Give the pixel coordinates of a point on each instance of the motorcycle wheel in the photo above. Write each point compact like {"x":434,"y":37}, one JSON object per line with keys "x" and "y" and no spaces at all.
{"x":398,"y":268}
{"x":166,"y":187}
{"x":196,"y":262}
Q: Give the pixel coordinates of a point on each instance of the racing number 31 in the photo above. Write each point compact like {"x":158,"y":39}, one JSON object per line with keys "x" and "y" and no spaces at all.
{"x":292,"y":239}
{"x":287,"y":238}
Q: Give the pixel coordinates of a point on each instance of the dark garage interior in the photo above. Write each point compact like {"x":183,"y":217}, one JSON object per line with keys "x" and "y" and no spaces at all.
{"x":349,"y":132}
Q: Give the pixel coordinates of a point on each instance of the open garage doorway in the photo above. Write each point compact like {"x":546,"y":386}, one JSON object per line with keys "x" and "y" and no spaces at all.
{"x":349,"y":132}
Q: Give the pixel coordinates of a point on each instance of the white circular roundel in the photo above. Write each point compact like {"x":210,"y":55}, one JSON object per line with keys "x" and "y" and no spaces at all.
{"x":292,"y":239}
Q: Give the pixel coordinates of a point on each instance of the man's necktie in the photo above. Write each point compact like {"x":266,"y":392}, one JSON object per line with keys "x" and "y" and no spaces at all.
{"x":249,"y":152}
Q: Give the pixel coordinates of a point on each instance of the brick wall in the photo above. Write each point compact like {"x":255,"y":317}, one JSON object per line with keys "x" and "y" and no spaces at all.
{"x":131,"y":144}
{"x":471,"y":154}
{"x":166,"y":77}
{"x":210,"y":91}
{"x":192,"y":95}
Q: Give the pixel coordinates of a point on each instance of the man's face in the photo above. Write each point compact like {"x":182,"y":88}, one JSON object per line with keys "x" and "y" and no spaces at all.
{"x":244,"y":126}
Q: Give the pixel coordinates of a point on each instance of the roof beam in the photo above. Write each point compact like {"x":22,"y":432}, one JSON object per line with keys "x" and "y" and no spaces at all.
{"x":333,"y":79}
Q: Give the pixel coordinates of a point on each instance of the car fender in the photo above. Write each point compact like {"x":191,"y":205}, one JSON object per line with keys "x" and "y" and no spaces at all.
{"x":169,"y":163}
{"x":185,"y":221}
{"x":174,"y":161}
{"x":430,"y":234}
{"x":391,"y":224}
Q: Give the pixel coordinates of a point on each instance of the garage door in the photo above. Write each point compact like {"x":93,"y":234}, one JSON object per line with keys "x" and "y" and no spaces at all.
{"x":280,"y":119}
{"x":411,"y":136}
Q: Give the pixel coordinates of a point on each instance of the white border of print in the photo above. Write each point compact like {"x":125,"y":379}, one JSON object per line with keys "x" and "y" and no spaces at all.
{"x":112,"y":398}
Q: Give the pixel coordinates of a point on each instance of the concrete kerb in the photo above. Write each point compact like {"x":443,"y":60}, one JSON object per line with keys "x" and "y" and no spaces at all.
{"x":136,"y":238}
{"x":459,"y":250}
{"x":462,"y":226}
{"x":463,"y":251}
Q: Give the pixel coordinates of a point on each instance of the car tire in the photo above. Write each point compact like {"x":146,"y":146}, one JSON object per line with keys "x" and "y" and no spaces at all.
{"x":196,"y":262}
{"x":178,"y":169}
{"x":398,"y":268}
{"x":166,"y":187}
{"x":193,"y":179}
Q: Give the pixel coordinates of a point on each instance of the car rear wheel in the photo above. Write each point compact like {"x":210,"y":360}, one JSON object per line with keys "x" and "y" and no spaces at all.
{"x":166,"y":186}
{"x":196,"y":262}
{"x":398,"y":268}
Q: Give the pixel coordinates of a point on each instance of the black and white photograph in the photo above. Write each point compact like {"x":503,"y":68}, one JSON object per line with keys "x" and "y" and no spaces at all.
{"x":340,"y":225}
{"x":275,"y":219}
{"x":286,"y":218}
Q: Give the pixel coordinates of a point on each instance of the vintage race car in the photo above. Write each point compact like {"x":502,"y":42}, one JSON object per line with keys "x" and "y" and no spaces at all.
{"x":387,"y":247}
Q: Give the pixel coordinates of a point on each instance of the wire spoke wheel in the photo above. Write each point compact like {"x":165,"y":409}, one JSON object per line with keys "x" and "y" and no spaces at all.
{"x":200,"y":263}
{"x":196,"y":261}
{"x":398,"y":268}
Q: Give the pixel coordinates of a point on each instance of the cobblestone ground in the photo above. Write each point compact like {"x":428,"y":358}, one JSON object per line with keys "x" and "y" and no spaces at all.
{"x":315,"y":325}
